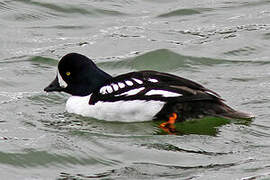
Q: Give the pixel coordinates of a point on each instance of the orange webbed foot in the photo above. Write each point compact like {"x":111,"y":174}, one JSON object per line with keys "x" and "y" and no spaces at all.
{"x":169,"y":126}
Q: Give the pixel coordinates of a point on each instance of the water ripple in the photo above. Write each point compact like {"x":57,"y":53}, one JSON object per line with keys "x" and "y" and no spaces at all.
{"x":185,"y":12}
{"x":166,"y":60}
{"x":33,"y":158}
{"x":145,"y":170}
{"x":170,"y":147}
{"x":222,"y":44}
{"x":34,"y":11}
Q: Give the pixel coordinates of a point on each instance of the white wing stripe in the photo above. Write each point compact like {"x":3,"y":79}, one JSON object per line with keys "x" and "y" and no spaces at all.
{"x":162,"y":93}
{"x":121,"y":85}
{"x":137,"y":80}
{"x":153,"y":80}
{"x":115,"y":87}
{"x":208,"y":92}
{"x":131,"y":92}
{"x":109,"y":89}
{"x":129,"y":83}
{"x":103,"y":90}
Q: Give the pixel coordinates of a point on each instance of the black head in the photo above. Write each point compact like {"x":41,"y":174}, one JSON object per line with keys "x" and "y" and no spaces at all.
{"x":77,"y":75}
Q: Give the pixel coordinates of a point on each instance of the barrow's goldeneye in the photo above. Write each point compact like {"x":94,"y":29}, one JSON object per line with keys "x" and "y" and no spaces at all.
{"x":134,"y":96}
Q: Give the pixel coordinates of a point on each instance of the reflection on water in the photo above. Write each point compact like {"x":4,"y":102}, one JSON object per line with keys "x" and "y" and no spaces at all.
{"x":206,"y":126}
{"x":42,"y":158}
{"x":222,"y":45}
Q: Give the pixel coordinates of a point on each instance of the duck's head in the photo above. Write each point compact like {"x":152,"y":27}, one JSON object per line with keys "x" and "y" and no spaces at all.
{"x":77,"y":75}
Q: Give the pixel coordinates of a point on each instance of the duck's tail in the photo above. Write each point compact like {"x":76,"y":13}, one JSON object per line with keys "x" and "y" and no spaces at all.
{"x":199,"y":109}
{"x":225,"y":111}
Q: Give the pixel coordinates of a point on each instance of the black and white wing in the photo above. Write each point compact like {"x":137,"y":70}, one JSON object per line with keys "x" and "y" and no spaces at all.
{"x":152,"y":85}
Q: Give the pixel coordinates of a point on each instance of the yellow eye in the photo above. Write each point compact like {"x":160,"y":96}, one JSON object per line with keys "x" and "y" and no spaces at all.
{"x":68,"y":73}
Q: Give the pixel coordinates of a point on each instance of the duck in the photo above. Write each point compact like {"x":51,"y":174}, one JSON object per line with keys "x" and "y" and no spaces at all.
{"x":135,"y":96}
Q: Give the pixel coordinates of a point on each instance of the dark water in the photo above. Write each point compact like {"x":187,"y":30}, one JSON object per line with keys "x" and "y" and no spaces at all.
{"x":221,"y":44}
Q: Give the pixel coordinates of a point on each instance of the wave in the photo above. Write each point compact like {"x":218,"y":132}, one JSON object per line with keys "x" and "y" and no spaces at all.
{"x":185,"y":12}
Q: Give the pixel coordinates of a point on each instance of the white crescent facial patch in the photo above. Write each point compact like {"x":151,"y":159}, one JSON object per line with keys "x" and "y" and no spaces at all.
{"x":61,"y":81}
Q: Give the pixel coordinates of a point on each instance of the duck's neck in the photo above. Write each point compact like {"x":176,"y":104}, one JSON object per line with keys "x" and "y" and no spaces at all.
{"x":94,"y":81}
{"x":103,"y":75}
{"x":100,"y":78}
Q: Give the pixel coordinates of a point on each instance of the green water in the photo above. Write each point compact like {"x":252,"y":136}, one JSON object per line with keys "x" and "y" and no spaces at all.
{"x":223,"y":45}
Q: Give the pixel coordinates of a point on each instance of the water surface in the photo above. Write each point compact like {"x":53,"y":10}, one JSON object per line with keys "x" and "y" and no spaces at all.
{"x":223,"y":45}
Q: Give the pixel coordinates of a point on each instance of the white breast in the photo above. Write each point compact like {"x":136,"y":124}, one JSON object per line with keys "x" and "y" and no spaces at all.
{"x":126,"y":111}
